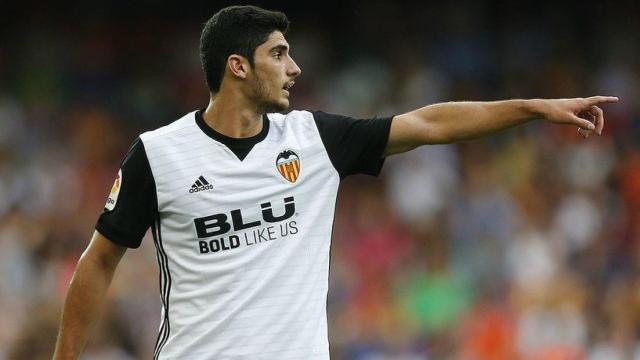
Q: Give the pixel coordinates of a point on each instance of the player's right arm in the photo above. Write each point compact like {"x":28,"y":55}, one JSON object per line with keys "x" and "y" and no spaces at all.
{"x":128,"y":213}
{"x":86,"y":295}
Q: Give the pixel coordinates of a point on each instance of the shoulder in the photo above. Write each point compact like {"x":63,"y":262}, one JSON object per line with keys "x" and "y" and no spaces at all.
{"x":178,"y":128}
{"x":278,"y":118}
{"x":301,"y":120}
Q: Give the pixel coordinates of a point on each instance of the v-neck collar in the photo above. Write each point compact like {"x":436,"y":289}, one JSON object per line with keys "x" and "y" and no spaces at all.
{"x":239,"y":146}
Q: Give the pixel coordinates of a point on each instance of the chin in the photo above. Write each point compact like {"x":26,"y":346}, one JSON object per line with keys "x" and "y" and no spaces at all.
{"x":284,"y":105}
{"x":275,"y":106}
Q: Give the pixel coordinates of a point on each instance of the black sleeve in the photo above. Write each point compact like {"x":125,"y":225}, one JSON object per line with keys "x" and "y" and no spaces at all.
{"x":355,"y":146}
{"x":131,"y":205}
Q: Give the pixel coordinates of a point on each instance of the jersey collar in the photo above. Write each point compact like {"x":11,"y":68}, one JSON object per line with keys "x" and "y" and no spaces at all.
{"x":239,"y":146}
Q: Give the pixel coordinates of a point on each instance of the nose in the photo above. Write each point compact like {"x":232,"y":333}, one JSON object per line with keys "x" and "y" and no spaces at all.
{"x":294,"y":70}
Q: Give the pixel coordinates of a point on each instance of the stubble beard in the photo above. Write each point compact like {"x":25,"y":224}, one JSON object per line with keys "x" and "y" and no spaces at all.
{"x":262,"y":98}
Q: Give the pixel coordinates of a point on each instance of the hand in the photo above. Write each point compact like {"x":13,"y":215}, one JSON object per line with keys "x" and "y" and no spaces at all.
{"x":582,"y":112}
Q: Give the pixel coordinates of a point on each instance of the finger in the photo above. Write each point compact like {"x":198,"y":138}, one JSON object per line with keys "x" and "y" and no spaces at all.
{"x":582,"y":123}
{"x":584,"y":133}
{"x":595,"y":100}
{"x":599,"y":118}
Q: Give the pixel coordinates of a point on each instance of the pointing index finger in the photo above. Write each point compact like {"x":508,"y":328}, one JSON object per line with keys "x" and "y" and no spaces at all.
{"x":595,"y":100}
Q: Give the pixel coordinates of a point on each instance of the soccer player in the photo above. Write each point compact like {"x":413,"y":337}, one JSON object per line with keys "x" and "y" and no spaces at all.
{"x":241,"y":198}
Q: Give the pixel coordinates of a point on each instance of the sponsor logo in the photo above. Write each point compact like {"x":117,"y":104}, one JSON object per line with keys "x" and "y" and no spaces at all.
{"x":201,"y":184}
{"x":218,"y":224}
{"x":213,"y":230}
{"x":288,"y":165}
{"x":115,"y":191}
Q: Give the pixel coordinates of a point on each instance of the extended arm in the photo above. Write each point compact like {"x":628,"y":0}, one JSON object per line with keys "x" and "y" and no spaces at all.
{"x":86,"y":295}
{"x":457,"y":121}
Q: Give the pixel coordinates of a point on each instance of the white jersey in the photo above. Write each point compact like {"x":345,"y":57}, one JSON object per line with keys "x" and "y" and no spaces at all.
{"x":242,"y":229}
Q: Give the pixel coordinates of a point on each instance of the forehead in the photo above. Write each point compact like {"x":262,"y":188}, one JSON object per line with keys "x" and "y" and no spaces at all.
{"x":276,"y":38}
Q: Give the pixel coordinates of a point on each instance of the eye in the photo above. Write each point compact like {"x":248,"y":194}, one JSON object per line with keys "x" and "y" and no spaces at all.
{"x":277,"y":54}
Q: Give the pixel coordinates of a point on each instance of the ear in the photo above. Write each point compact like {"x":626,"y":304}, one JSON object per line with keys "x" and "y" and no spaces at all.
{"x":238,"y":65}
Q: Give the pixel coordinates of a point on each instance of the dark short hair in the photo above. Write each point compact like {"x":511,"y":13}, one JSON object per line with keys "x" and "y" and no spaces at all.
{"x":235,"y":30}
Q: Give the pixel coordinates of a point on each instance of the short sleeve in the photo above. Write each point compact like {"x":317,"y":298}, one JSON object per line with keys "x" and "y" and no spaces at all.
{"x":131,"y":205}
{"x":355,"y":146}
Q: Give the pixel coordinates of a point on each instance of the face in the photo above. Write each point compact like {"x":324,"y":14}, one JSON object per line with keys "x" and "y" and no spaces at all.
{"x":273,"y":74}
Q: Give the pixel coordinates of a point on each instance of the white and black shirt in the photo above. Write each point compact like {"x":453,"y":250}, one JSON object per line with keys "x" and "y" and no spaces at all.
{"x":242,"y":228}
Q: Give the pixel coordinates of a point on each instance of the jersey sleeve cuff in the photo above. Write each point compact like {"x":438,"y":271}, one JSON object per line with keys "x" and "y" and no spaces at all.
{"x":374,"y":166}
{"x":117,"y":236}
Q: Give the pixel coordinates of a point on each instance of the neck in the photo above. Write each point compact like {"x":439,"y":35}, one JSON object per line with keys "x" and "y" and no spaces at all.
{"x":232,"y":115}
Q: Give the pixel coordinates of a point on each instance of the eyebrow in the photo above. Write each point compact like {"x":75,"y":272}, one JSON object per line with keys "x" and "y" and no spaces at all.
{"x":280,"y":47}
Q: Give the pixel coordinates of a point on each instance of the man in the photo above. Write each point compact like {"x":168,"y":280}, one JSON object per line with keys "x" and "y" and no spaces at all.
{"x":241,"y":199}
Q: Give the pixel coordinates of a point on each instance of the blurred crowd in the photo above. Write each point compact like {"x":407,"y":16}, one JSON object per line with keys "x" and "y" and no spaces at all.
{"x":525,"y":245}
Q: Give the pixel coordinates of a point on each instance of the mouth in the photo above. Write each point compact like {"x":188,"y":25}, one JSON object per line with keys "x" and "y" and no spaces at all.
{"x":288,"y":86}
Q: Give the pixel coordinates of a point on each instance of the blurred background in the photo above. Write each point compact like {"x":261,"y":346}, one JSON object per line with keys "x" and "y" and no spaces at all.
{"x":525,"y":245}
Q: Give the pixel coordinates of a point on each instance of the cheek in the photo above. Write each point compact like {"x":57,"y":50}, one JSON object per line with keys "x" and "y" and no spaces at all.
{"x":267,"y":79}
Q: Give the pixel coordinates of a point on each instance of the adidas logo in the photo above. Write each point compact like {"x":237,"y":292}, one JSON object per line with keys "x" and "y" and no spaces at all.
{"x":200,"y":185}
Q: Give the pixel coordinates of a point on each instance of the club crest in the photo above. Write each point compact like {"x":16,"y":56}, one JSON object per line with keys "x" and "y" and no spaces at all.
{"x":288,"y":165}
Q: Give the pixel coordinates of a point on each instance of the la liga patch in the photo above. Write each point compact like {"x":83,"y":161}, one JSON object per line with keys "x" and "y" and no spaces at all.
{"x":115,"y":191}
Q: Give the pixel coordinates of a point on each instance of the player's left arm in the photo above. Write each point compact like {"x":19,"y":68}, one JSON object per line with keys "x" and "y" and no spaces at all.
{"x":458,"y":121}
